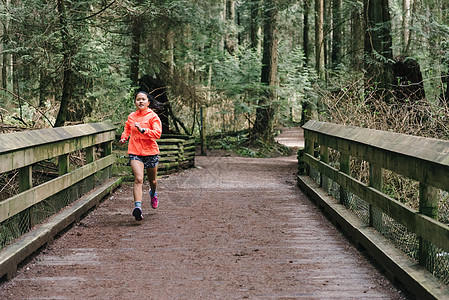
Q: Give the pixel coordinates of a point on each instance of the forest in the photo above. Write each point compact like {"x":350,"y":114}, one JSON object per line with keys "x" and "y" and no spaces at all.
{"x":252,"y":65}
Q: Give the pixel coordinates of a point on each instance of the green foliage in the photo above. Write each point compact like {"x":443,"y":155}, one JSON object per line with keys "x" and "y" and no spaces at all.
{"x":238,"y":78}
{"x":296,"y":81}
{"x":101,"y":41}
{"x":241,"y":145}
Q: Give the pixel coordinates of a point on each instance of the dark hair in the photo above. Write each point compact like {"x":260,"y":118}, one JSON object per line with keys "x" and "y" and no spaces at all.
{"x":153,"y":103}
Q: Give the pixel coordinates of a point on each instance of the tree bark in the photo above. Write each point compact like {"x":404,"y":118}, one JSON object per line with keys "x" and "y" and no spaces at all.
{"x":337,"y":38}
{"x":15,"y":83}
{"x":405,"y":23}
{"x":5,"y":60}
{"x":378,"y":44}
{"x":170,"y":45}
{"x":264,"y":123}
{"x":67,"y":69}
{"x":136,"y":33}
{"x":254,"y":25}
{"x":319,"y":39}
{"x":357,"y":37}
{"x":230,"y":39}
{"x":306,"y":29}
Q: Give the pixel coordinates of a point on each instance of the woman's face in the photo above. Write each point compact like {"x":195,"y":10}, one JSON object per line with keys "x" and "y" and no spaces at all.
{"x":141,"y":101}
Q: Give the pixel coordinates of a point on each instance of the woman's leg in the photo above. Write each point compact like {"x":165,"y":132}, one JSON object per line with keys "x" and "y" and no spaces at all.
{"x":152,"y":178}
{"x":137,"y":168}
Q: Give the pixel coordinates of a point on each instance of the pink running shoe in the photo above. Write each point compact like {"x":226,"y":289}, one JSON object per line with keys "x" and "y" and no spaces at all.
{"x":154,"y":202}
{"x":137,"y":213}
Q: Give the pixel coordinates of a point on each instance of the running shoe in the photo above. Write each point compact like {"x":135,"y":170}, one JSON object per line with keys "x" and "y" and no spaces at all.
{"x":154,"y":202}
{"x":137,"y":213}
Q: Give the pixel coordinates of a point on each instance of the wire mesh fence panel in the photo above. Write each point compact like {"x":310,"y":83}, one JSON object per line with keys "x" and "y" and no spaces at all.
{"x":360,"y":208}
{"x":438,"y":263}
{"x":58,"y":166}
{"x":14,"y":227}
{"x":408,"y":242}
{"x":443,"y":207}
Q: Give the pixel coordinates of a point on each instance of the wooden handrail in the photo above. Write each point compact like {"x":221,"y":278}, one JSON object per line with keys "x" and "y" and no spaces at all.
{"x":20,"y":151}
{"x":425,"y":160}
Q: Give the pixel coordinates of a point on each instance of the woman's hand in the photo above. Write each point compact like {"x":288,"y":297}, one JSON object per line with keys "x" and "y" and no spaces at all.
{"x":122,"y":141}
{"x":137,"y":124}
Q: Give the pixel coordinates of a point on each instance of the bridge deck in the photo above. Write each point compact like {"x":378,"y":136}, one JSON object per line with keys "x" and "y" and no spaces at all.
{"x":231,"y":228}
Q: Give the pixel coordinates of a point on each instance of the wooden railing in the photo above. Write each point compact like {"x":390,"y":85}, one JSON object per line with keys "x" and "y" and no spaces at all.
{"x":46,"y":170}
{"x":424,"y":160}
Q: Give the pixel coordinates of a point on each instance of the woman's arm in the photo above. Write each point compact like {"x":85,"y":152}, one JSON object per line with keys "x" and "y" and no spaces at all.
{"x":127,"y":131}
{"x":155,"y":130}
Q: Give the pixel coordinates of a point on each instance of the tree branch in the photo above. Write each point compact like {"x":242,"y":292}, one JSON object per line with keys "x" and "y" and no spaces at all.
{"x":97,"y":13}
{"x":36,"y":108}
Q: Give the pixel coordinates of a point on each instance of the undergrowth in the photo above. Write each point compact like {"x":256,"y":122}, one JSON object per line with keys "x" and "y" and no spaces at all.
{"x":368,"y":108}
{"x":240,"y":144}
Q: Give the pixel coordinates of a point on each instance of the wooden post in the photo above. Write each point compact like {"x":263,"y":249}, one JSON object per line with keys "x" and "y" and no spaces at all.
{"x":308,"y":148}
{"x":63,"y":164}
{"x":25,"y":178}
{"x":324,"y":157}
{"x":90,"y":154}
{"x":25,"y":183}
{"x":428,"y":205}
{"x":345,"y":168}
{"x":301,"y":163}
{"x":375,"y":181}
{"x":180,"y":154}
{"x":107,"y":148}
{"x":203,"y":130}
{"x":90,"y":157}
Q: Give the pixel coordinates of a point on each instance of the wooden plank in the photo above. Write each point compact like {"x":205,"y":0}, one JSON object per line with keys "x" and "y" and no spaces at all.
{"x":30,"y":155}
{"x":170,"y":141}
{"x":18,"y":140}
{"x":422,"y":159}
{"x":164,"y":148}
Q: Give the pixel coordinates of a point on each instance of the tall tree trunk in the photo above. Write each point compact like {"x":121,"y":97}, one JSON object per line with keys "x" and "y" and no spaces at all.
{"x":15,"y":81}
{"x":327,"y":23}
{"x":4,"y":71}
{"x":408,"y":36}
{"x":3,"y":33}
{"x":5,"y":39}
{"x":378,"y":43}
{"x":170,"y":46}
{"x":319,"y":39}
{"x":254,"y":25}
{"x":337,"y":38}
{"x":231,"y":36}
{"x":42,"y":86}
{"x":136,"y":33}
{"x":405,"y":24}
{"x":67,"y":69}
{"x":264,"y":123}
{"x":306,"y":29}
{"x":446,"y":93}
{"x":357,"y":36}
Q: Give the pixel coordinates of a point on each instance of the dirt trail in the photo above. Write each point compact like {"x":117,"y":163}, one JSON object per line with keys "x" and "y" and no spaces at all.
{"x":231,"y":228}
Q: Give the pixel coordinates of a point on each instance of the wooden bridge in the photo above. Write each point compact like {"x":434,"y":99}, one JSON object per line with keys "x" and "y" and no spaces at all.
{"x":231,"y":227}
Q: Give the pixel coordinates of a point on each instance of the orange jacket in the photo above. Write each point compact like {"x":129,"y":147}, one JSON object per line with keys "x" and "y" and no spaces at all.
{"x":143,"y":144}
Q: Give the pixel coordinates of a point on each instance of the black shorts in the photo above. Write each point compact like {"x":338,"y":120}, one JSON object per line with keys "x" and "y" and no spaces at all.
{"x":150,"y":161}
